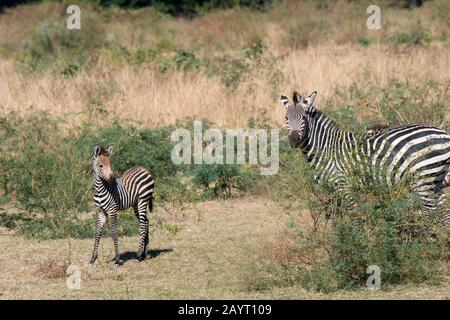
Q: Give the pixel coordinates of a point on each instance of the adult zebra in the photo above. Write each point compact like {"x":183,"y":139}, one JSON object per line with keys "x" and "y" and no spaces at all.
{"x":111,"y":194}
{"x":386,"y":155}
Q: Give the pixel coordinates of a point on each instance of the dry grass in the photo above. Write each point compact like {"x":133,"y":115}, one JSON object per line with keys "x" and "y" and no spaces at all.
{"x":158,"y":99}
{"x":210,"y":258}
{"x":332,"y":60}
{"x":53,"y":268}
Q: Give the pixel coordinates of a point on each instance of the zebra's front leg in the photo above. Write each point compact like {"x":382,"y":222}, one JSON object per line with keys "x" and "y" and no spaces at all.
{"x":99,"y":223}
{"x":143,"y":230}
{"x":114,"y":235}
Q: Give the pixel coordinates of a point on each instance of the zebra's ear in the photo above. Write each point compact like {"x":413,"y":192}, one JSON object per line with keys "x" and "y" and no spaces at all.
{"x":284,"y":101}
{"x":97,"y":150}
{"x":109,"y":150}
{"x":310,"y":100}
{"x":298,"y":99}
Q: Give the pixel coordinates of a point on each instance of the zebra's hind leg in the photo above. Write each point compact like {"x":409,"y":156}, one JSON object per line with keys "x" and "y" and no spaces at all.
{"x":445,"y":218}
{"x":99,"y":223}
{"x":143,"y":228}
{"x":447,"y":179}
{"x":114,"y":235}
{"x":446,"y":183}
{"x":434,"y":202}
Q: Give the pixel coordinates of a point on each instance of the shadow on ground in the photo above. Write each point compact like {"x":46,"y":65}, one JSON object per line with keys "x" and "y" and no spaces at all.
{"x":130,"y":255}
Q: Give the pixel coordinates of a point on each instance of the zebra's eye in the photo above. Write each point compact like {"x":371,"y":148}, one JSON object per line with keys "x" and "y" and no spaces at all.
{"x":100,"y":165}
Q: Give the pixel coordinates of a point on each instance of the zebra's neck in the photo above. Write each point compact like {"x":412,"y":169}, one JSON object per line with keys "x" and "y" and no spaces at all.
{"x":101,"y":186}
{"x":324,"y":139}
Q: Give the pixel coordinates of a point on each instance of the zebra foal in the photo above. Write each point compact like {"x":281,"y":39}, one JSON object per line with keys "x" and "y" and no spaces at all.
{"x":386,"y":155}
{"x":111,"y":194}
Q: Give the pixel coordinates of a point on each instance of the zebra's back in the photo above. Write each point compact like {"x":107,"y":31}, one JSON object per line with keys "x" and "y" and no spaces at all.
{"x":138,"y":183}
{"x":420,"y":150}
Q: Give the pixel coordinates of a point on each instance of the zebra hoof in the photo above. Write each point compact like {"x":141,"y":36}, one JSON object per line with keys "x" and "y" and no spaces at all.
{"x":141,"y":254}
{"x":141,"y":257}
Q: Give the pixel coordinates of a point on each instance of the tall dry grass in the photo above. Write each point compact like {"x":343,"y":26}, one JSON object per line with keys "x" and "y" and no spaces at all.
{"x":316,"y":49}
{"x":157,"y":99}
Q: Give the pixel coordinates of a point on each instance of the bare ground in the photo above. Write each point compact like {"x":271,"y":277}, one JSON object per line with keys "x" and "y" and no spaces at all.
{"x":210,"y":258}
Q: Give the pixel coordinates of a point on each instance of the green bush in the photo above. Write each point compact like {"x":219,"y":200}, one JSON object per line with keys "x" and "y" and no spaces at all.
{"x":417,"y":36}
{"x":186,"y":61}
{"x":42,"y":173}
{"x":252,"y":61}
{"x":55,"y":226}
{"x":66,"y":51}
{"x":218,"y":180}
{"x":390,"y":236}
{"x":46,"y":171}
{"x":174,"y":7}
{"x":10,"y":3}
{"x":386,"y":228}
{"x":12,"y":221}
{"x":149,"y":148}
{"x":399,"y":102}
{"x":363,"y":41}
{"x":404,"y":102}
{"x":177,"y":190}
{"x":181,"y":60}
{"x":188,"y":7}
{"x":302,"y":32}
{"x":60,"y":225}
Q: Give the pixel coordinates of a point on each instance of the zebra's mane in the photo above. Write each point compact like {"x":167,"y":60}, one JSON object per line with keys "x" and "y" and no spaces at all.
{"x":314,"y":115}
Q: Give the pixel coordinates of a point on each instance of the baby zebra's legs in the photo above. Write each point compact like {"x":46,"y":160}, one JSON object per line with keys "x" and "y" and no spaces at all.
{"x":114,"y":235}
{"x":99,"y":223}
{"x":140,"y":211}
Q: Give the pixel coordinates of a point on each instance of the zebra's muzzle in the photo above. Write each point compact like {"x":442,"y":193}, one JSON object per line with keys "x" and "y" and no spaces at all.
{"x":295,"y":139}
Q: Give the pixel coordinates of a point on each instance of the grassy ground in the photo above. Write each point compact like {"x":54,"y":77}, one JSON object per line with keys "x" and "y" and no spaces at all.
{"x":212,"y":257}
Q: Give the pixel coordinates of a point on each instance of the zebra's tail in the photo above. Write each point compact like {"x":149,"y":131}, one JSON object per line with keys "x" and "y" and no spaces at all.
{"x":150,"y":204}
{"x":447,"y":176}
{"x":447,"y":179}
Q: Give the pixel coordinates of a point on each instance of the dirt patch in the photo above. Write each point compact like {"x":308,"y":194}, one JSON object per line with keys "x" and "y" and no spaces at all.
{"x":53,"y":268}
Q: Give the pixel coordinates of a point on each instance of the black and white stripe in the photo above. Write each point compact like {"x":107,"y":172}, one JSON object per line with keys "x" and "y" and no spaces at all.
{"x":385,"y":155}
{"x":111,"y":194}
